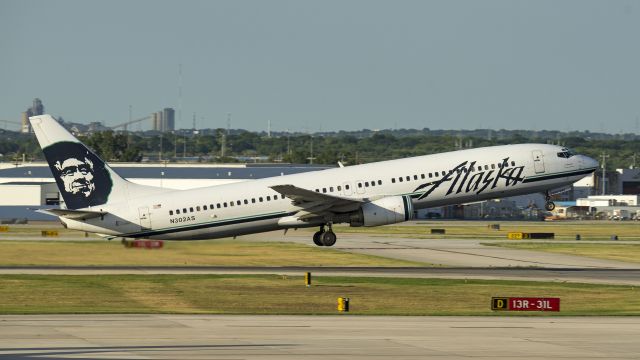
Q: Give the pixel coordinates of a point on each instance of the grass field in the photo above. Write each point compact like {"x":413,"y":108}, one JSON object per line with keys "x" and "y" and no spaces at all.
{"x":620,"y":252}
{"x":271,"y":294}
{"x":588,"y":230}
{"x":188,"y":253}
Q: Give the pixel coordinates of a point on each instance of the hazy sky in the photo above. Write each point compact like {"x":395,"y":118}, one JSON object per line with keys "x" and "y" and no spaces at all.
{"x":328,"y":65}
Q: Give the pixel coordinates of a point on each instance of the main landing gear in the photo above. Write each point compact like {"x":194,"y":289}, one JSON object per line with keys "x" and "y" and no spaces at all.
{"x":549,"y":205}
{"x":325,"y":237}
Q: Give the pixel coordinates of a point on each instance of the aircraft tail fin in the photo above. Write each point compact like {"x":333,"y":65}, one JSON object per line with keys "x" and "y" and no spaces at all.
{"x":84,"y":180}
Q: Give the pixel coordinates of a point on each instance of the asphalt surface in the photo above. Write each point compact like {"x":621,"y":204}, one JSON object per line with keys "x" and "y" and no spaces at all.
{"x":316,"y":337}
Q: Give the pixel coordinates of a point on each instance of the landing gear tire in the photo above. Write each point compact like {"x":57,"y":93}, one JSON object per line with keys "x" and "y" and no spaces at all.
{"x":549,"y":206}
{"x":317,"y":238}
{"x":328,"y":238}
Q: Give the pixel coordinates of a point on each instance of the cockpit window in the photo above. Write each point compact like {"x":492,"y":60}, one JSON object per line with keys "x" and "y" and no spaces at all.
{"x":566,"y":153}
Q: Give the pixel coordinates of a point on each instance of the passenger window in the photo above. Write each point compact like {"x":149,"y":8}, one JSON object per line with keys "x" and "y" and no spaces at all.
{"x":260,"y":198}
{"x":346,"y":186}
{"x":246,"y":201}
{"x":178,"y":212}
{"x":253,"y":200}
{"x":408,"y":178}
{"x":184,"y":210}
{"x":317,"y":190}
{"x":197,"y":208}
{"x":366,"y":184}
{"x":359,"y":185}
{"x":393,"y":180}
{"x":400,"y":179}
{"x":331,"y":189}
{"x":238,"y":202}
{"x":493,"y":166}
{"x":190,"y":209}
{"x":268,"y":198}
{"x":218,"y":205}
{"x":204,"y":207}
{"x":373,"y":183}
{"x":415,"y":177}
{"x":430,"y":175}
{"x":282,"y":196}
{"x":231,"y":204}
{"x":339,"y":188}
{"x":170,"y":212}
{"x":324,"y":190}
{"x":422,"y":176}
{"x":513,"y":163}
{"x":444,"y":173}
{"x":379,"y":182}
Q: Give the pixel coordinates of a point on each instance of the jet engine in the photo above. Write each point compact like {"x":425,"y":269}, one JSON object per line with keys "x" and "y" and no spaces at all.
{"x":387,"y":210}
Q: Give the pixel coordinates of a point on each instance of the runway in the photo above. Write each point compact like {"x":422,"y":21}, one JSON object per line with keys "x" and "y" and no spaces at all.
{"x":316,"y":337}
{"x":453,"y":252}
{"x":589,"y":275}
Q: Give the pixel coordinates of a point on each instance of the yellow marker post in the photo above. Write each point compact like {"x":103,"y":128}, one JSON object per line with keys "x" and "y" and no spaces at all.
{"x":343,"y":304}
{"x":307,"y":279}
{"x":47,"y":233}
{"x":4,"y":228}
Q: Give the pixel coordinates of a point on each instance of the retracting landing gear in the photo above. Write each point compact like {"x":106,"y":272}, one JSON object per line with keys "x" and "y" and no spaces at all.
{"x":549,"y":205}
{"x":324,"y":237}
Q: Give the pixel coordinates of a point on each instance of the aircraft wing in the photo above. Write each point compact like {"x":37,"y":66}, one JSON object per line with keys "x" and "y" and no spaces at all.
{"x":73,"y":214}
{"x":315,"y":204}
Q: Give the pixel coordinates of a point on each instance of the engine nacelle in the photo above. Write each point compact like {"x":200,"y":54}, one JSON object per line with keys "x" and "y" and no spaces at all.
{"x":388,"y":210}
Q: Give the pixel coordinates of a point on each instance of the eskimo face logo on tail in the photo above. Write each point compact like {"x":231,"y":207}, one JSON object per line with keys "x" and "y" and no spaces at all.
{"x":466,"y":178}
{"x":81,"y":176}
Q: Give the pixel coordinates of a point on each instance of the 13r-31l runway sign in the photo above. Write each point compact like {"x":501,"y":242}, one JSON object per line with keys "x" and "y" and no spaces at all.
{"x":525,"y":304}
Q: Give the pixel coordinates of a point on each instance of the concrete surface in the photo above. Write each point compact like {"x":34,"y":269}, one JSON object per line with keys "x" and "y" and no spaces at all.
{"x":450,"y":252}
{"x":320,"y":337}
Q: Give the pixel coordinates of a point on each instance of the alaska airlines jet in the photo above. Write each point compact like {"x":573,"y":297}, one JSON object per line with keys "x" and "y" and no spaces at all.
{"x":98,"y":200}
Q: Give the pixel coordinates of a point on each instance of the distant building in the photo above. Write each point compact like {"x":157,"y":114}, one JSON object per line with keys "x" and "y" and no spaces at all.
{"x":163,"y":120}
{"x":36,"y":109}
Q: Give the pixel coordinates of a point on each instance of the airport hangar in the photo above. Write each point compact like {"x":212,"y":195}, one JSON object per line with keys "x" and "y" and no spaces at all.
{"x":25,"y":186}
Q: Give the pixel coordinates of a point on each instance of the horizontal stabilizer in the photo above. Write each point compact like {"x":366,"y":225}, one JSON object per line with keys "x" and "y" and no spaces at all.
{"x":73,"y":214}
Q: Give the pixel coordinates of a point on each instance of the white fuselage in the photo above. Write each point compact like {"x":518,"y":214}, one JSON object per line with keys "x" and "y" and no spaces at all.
{"x":252,"y":206}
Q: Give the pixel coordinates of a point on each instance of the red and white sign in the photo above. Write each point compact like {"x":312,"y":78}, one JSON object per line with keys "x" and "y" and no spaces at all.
{"x":525,"y":304}
{"x":534,"y":304}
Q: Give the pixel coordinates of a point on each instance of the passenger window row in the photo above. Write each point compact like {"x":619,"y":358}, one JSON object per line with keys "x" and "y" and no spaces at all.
{"x":338,"y":188}
{"x":443,"y":173}
{"x":226,"y":204}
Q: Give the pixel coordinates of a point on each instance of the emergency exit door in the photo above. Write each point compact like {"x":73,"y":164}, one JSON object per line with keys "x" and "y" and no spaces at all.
{"x":538,"y":161}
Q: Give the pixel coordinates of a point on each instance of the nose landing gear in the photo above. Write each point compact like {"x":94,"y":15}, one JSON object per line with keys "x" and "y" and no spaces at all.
{"x":324,"y":237}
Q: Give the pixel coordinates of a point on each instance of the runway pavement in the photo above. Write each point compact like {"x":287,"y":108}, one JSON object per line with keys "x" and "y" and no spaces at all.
{"x":316,"y":337}
{"x":451,"y":252}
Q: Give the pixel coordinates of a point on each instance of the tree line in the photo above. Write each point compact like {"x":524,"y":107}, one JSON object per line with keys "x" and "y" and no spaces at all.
{"x":326,"y":148}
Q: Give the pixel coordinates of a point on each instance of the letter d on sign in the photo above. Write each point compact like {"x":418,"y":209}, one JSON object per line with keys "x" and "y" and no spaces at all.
{"x":499,"y":303}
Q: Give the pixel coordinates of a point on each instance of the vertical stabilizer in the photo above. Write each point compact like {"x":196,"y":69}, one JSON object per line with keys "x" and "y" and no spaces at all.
{"x":84,"y":180}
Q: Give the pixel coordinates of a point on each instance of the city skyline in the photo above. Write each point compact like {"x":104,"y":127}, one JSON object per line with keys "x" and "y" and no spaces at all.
{"x":327,"y":66}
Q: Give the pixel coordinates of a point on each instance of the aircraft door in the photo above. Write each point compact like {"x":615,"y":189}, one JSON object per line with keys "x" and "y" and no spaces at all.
{"x":360,"y":187}
{"x":145,"y":217}
{"x":538,"y":161}
{"x":347,"y":189}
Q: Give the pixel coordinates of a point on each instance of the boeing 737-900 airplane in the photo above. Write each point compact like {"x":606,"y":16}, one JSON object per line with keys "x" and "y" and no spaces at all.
{"x":98,"y":200}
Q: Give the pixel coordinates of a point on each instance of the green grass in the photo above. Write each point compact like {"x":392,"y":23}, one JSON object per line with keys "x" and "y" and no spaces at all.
{"x":271,"y":294}
{"x":612,"y":251}
{"x":589,"y":230}
{"x":187,"y":253}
